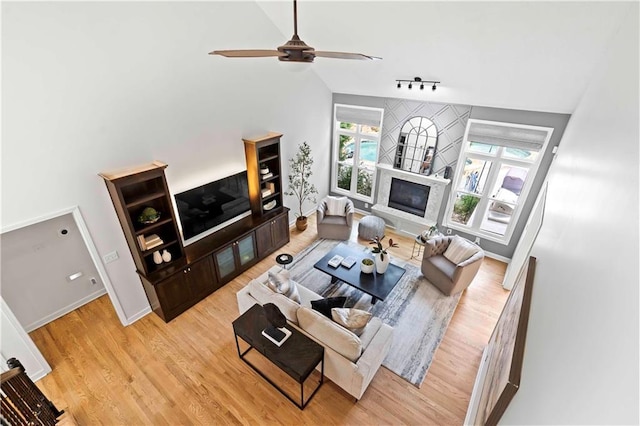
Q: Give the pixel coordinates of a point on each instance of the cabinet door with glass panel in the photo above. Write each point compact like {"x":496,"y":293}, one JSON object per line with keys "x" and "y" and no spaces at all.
{"x":356,"y":145}
{"x":235,"y":257}
{"x":495,"y":171}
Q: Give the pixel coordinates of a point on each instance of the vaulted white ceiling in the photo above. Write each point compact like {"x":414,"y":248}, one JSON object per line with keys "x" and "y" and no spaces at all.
{"x":521,"y":55}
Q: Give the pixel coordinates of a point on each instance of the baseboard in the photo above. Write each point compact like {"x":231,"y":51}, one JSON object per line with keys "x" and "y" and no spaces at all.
{"x":135,"y":317}
{"x":65,"y":310}
{"x":472,"y":409}
{"x":497,"y":257}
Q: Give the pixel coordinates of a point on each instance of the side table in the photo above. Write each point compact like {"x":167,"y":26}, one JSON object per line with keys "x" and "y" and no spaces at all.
{"x":297,"y":357}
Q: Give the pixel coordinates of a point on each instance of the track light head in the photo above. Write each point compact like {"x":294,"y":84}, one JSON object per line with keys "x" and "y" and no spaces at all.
{"x":433,"y":87}
{"x":410,"y":86}
{"x":399,"y":85}
{"x":421,"y":86}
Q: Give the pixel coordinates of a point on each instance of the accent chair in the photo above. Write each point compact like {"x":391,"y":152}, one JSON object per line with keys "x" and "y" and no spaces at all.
{"x":451,"y":263}
{"x":335,"y":218}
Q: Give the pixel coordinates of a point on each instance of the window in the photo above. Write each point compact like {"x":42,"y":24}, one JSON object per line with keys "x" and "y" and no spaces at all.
{"x":497,"y":165}
{"x":356,"y":142}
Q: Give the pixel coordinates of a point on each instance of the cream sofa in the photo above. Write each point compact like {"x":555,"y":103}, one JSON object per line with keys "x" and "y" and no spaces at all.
{"x":349,"y":361}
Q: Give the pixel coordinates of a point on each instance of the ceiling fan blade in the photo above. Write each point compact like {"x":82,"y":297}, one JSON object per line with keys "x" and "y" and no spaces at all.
{"x":345,"y":55}
{"x":251,"y":53}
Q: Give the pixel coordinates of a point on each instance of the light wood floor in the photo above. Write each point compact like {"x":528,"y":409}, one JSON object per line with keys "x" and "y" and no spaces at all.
{"x":188,"y":371}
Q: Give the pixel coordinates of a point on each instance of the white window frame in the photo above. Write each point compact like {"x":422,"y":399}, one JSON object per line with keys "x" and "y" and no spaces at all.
{"x":497,"y":161}
{"x":358,"y":137}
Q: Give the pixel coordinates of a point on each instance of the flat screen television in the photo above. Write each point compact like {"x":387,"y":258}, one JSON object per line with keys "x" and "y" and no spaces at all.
{"x":207,"y":208}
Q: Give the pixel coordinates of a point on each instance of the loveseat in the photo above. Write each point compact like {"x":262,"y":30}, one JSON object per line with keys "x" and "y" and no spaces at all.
{"x":350,"y":361}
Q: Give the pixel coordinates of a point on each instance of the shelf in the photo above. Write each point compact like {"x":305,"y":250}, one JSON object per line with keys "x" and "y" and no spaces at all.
{"x":145,"y":199}
{"x":148,"y":228}
{"x":269,"y":157}
{"x":150,"y":251}
{"x":269,"y":179}
{"x":270,"y":196}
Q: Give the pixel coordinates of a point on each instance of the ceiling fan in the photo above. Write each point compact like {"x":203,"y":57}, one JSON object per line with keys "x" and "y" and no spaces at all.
{"x":294,"y":50}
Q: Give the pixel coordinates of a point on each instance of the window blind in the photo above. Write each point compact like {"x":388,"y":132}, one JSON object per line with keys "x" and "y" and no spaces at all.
{"x":514,"y":137}
{"x":347,"y":114}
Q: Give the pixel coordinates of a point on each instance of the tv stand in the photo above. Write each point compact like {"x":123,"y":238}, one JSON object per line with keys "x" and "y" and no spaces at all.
{"x":199,"y":269}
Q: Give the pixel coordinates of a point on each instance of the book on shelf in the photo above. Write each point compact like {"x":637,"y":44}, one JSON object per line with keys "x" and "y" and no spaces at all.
{"x":150,"y":241}
{"x":142,"y":243}
{"x":267,"y":176}
{"x":266,"y":192}
{"x":271,"y":186}
{"x":154,"y":244}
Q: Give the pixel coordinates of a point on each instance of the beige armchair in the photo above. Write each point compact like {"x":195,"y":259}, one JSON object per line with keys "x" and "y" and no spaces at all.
{"x":450,"y":278}
{"x":335,"y":218}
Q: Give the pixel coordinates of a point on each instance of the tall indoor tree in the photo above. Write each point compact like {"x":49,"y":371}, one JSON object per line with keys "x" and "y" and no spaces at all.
{"x":299,"y":185}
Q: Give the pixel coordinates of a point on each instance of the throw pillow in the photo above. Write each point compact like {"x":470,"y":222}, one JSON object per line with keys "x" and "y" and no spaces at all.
{"x":281,"y":283}
{"x":336,"y":206}
{"x":324,"y":306}
{"x":460,"y":250}
{"x":354,"y":320}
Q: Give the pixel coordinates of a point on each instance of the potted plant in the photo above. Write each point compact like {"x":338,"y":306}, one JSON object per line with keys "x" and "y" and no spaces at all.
{"x":299,"y":185}
{"x":366,"y":265}
{"x":382,"y":261}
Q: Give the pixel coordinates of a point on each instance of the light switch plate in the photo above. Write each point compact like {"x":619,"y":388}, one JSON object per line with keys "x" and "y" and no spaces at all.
{"x":110,"y":257}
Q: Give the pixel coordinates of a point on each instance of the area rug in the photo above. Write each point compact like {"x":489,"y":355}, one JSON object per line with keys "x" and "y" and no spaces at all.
{"x":415,"y":308}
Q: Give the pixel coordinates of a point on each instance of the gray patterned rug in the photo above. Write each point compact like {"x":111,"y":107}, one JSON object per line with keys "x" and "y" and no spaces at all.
{"x":416,"y":310}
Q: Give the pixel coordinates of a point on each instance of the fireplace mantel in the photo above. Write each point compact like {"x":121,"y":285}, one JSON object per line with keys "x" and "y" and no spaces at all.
{"x":403,"y":221}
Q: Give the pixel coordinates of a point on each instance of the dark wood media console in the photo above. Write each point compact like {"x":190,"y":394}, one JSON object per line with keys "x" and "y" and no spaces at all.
{"x":212,"y":262}
{"x":196,"y":271}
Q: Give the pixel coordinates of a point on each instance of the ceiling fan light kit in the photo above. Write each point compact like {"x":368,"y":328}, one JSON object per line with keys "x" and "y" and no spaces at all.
{"x":417,"y":80}
{"x":294,"y":50}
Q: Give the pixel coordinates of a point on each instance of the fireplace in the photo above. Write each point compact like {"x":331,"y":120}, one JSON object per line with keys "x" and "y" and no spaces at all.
{"x":408,"y":201}
{"x":408,"y":196}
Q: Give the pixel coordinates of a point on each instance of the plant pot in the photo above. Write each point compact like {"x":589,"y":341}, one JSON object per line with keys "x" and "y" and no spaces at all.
{"x":301,"y":223}
{"x":382,"y":264}
{"x":367,"y":269}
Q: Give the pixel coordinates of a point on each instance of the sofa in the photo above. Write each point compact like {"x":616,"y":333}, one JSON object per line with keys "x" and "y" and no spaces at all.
{"x":450,"y":277}
{"x":350,"y":361}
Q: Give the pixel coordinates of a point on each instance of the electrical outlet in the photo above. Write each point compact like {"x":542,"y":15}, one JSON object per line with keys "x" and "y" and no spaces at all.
{"x":93,"y":281}
{"x":477,"y":240}
{"x":448,"y":231}
{"x":110,"y":257}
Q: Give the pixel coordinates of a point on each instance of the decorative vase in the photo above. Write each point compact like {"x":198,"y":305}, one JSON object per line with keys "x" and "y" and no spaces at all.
{"x":157,"y":257}
{"x":166,"y":256}
{"x":367,"y":269}
{"x":382,"y":264}
{"x":301,"y":223}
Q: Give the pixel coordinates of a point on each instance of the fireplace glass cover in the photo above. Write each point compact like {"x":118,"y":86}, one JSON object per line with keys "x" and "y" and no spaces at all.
{"x":408,"y":196}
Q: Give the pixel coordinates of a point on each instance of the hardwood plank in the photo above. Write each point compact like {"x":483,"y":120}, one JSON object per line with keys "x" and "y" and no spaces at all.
{"x":188,"y":371}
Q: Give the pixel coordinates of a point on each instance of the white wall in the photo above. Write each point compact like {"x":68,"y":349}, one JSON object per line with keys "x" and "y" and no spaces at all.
{"x":581,"y":356}
{"x":90,"y":87}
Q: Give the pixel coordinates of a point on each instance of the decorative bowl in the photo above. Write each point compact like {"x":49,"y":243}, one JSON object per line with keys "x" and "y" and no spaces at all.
{"x":367,"y":265}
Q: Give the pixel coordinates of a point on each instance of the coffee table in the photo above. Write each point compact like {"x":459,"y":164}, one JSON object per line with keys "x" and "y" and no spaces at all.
{"x":298,"y":356}
{"x":378,"y":286}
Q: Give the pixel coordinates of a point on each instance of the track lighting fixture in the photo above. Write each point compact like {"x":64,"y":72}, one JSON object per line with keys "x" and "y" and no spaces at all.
{"x":417,"y":80}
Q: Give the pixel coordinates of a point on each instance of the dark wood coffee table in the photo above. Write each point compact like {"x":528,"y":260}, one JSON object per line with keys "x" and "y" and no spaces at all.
{"x":378,"y":286}
{"x":298,"y":356}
